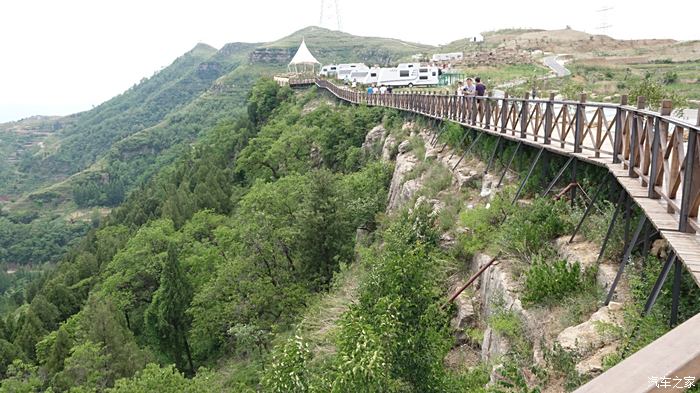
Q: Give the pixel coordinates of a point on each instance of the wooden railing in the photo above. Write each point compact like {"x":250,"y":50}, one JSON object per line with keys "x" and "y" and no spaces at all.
{"x":659,"y":150}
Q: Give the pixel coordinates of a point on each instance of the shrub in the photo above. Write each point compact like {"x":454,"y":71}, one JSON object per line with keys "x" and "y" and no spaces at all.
{"x":452,"y":133}
{"x":287,"y":372}
{"x":527,"y":231}
{"x":546,"y":282}
{"x":670,"y":77}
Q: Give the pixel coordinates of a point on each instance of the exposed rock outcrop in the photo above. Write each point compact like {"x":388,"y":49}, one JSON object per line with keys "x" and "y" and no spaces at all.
{"x":388,"y":149}
{"x":591,"y":335}
{"x":580,"y":250}
{"x":374,"y":140}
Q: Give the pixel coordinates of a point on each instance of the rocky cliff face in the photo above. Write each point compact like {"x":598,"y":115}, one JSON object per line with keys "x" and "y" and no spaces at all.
{"x":280,"y":56}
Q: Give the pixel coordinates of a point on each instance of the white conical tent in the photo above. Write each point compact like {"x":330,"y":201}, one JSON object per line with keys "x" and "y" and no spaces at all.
{"x":302,"y":58}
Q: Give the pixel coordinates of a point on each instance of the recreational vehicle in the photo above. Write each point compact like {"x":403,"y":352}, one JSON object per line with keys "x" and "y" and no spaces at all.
{"x":365,"y":76}
{"x":344,"y":70}
{"x":408,"y":75}
{"x":329,"y":70}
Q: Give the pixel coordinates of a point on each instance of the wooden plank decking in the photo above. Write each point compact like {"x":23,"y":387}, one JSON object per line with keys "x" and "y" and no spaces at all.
{"x":675,"y":355}
{"x":659,"y":149}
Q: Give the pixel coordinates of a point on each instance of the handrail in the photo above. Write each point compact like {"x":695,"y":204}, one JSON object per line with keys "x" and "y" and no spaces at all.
{"x":651,"y":146}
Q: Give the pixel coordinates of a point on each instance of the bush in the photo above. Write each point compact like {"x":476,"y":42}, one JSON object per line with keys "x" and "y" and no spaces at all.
{"x":546,"y":283}
{"x":452,"y":133}
{"x":670,"y":77}
{"x":527,"y":231}
{"x":655,"y":92}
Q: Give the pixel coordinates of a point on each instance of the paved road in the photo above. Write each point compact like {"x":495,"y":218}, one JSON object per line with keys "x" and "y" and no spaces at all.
{"x":551,"y":62}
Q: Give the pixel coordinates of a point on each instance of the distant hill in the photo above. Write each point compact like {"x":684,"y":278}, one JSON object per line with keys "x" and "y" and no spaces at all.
{"x":330,"y":46}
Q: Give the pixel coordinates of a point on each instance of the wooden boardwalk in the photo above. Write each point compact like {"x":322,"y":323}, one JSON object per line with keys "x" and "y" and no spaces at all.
{"x":674,"y":357}
{"x":653,"y":156}
{"x":618,"y":137}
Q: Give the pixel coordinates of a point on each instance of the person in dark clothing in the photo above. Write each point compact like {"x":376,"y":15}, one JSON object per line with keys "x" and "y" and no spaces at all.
{"x":480,"y":88}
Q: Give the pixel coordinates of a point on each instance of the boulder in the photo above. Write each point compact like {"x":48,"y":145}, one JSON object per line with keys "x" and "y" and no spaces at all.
{"x":589,"y":336}
{"x":447,"y":241}
{"x":593,"y":365}
{"x":659,"y":248}
{"x":467,"y":179}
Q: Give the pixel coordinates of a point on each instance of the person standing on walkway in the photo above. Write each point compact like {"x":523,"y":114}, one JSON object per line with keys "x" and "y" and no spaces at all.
{"x":480,"y":88}
{"x":480,"y":92}
{"x":469,"y":88}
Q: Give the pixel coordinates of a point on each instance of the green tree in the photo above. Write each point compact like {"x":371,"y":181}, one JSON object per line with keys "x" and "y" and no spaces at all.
{"x":8,"y":353}
{"x":30,"y":331}
{"x":21,"y":378}
{"x":160,"y":379}
{"x":166,"y":318}
{"x":87,"y":367}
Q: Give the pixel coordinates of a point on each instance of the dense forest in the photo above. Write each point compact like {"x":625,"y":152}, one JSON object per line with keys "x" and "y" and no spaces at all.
{"x":214,"y":256}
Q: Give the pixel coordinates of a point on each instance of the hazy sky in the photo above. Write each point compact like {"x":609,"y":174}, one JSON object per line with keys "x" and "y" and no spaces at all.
{"x":60,"y":57}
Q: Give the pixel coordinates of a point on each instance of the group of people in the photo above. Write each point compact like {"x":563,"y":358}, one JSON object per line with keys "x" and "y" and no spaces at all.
{"x":381,"y":90}
{"x":470,"y":89}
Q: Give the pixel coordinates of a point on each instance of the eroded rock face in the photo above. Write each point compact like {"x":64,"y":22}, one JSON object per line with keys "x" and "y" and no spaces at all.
{"x":495,"y":294}
{"x":400,"y":191}
{"x":494,"y":345}
{"x":388,"y":148}
{"x":591,"y":335}
{"x":374,"y":140}
{"x":404,"y":146}
{"x":465,"y":317}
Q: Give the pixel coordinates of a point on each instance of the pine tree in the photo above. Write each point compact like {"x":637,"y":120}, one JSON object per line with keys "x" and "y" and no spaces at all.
{"x":166,"y":318}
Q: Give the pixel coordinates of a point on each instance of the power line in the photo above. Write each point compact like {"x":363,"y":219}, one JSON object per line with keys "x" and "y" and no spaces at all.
{"x":330,"y":14}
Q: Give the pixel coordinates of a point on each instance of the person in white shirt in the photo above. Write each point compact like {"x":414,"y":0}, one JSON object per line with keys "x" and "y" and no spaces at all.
{"x":460,"y":89}
{"x":470,"y":88}
{"x":382,"y":89}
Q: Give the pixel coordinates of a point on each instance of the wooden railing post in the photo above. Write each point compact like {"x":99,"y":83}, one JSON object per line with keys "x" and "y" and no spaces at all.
{"x":504,"y":114}
{"x":656,"y":161}
{"x":548,"y":119}
{"x":524,"y":113}
{"x":578,"y":132}
{"x":617,"y":140}
{"x":688,"y":201}
{"x":487,"y":110}
{"x":634,"y":140}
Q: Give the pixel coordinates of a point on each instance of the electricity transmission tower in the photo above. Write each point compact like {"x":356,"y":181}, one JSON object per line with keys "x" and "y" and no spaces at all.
{"x":604,"y":25}
{"x":330,"y":14}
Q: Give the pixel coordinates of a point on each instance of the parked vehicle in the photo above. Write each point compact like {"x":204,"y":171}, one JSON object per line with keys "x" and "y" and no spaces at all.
{"x":408,"y":75}
{"x":344,"y":70}
{"x":365,"y":76}
{"x":329,"y":70}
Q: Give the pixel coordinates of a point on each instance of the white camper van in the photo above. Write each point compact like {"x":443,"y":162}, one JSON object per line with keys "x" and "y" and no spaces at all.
{"x":328,"y":70}
{"x":365,"y":76}
{"x":344,"y":70}
{"x":408,"y":75}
